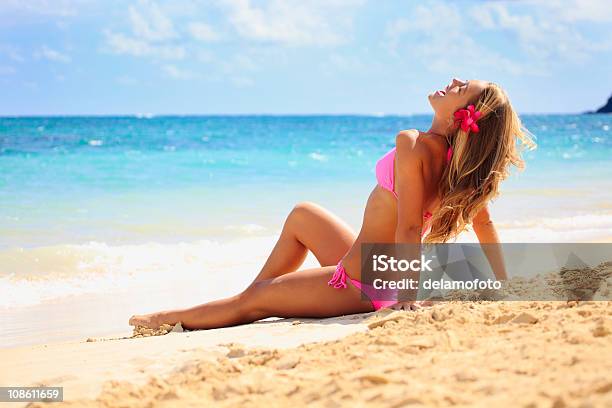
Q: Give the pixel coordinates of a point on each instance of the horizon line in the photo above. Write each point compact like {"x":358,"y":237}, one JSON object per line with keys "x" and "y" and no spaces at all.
{"x":149,"y":115}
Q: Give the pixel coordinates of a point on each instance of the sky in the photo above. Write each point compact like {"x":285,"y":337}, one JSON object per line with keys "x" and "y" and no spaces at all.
{"x":105,"y":57}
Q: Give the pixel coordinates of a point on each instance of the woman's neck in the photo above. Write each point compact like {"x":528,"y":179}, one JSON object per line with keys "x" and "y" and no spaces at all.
{"x":438,"y":126}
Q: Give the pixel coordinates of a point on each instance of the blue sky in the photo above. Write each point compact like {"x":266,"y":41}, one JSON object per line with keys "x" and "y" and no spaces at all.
{"x":297,"y":56}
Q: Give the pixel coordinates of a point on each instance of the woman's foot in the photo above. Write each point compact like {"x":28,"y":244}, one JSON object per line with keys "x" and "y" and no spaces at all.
{"x":153,"y":320}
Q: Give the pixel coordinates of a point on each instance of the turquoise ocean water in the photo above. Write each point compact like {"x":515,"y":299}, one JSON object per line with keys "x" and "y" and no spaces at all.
{"x":128,"y":179}
{"x":99,"y":204}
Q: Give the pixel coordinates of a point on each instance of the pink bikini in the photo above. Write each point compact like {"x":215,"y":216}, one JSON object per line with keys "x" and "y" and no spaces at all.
{"x":385,"y":177}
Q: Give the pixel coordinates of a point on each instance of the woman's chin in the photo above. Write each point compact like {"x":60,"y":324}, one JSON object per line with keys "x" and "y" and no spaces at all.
{"x":432,"y":102}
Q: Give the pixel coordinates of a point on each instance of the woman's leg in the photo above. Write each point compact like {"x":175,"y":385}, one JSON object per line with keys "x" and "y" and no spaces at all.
{"x":297,"y":294}
{"x":307,"y":227}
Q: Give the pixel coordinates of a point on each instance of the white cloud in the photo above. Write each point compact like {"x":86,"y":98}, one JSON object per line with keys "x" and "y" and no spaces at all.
{"x":203,"y":32}
{"x":597,"y":11}
{"x":448,"y":37}
{"x":549,"y":31}
{"x":124,"y":44}
{"x":150,"y":23}
{"x":52,"y":55}
{"x":437,"y":35}
{"x":153,"y":34}
{"x":164,"y":31}
{"x":293,"y":22}
{"x":174,"y":72}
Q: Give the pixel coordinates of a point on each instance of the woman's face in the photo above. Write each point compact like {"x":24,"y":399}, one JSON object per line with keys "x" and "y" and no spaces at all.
{"x":456,"y":95}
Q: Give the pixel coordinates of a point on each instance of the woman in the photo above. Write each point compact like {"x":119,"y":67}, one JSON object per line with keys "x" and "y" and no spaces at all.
{"x":432,"y":185}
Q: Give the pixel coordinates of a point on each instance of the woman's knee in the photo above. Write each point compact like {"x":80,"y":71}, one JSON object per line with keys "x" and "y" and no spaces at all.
{"x":302,"y":212}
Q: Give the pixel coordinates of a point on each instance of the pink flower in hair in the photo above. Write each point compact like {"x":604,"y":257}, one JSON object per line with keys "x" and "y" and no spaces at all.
{"x":466,"y":119}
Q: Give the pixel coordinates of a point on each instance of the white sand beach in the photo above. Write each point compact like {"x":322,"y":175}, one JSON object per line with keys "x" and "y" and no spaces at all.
{"x":83,"y":367}
{"x":476,"y":353}
{"x":456,"y":353}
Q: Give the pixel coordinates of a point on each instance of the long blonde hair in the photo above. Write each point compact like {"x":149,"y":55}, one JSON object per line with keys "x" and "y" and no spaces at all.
{"x":480,"y":162}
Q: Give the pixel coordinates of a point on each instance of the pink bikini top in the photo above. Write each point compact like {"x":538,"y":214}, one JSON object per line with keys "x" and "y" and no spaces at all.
{"x":385,"y":173}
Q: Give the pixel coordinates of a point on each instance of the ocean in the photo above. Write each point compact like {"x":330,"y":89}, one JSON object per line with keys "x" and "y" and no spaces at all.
{"x":169,"y":211}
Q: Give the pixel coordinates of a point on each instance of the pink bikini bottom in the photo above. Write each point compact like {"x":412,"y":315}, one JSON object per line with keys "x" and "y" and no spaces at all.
{"x":338,"y":281}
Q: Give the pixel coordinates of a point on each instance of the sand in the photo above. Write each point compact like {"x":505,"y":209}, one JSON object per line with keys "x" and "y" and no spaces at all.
{"x":458,"y":353}
{"x":83,"y":367}
{"x":462,"y":353}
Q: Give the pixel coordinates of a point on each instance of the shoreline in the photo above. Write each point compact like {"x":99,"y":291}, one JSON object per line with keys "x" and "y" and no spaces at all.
{"x":77,"y":314}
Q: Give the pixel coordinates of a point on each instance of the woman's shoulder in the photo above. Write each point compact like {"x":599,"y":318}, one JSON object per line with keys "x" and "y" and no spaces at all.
{"x":410,"y":144}
{"x":408,"y":135}
{"x":416,"y":144}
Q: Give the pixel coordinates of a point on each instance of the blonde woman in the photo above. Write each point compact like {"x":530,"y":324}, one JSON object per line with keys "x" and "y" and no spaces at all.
{"x":430,"y":187}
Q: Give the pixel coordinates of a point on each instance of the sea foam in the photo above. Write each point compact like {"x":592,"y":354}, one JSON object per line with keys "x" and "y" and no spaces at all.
{"x":37,"y":275}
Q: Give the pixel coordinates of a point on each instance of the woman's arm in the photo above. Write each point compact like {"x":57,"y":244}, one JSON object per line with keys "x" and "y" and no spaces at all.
{"x":410,"y":192}
{"x":489,"y":240}
{"x":409,"y":189}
